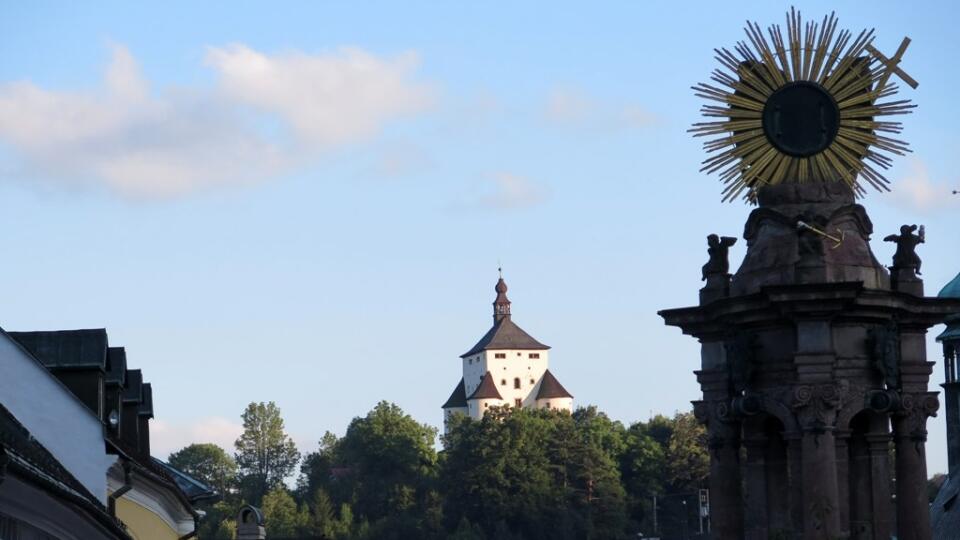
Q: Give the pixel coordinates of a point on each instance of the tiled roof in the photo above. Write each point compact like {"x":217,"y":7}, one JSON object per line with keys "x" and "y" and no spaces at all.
{"x":194,"y":489}
{"x":28,"y":456}
{"x":505,"y":334}
{"x":487,"y":389}
{"x":458,"y":399}
{"x":66,"y":348}
{"x":550,"y":387}
{"x":944,"y":511}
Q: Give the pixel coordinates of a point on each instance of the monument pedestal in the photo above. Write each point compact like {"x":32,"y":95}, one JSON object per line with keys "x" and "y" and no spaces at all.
{"x":809,"y":358}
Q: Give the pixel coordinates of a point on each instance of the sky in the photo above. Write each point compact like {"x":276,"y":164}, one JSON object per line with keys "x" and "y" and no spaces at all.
{"x":307,"y":203}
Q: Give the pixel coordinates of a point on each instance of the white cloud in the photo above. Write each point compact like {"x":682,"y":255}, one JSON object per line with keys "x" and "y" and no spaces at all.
{"x":328,"y":98}
{"x":132,"y":141}
{"x":166,"y":438}
{"x":919,"y":193}
{"x":572,"y":107}
{"x":513,"y":192}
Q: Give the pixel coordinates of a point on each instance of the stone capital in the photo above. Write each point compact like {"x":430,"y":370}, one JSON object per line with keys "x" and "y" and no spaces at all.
{"x":816,"y":405}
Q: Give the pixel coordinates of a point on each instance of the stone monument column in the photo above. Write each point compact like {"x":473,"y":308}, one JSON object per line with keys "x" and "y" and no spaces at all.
{"x":755,"y":483}
{"x":878,"y":445}
{"x":817,"y":413}
{"x":909,"y":436}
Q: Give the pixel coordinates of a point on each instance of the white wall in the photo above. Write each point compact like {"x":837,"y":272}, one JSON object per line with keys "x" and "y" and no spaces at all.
{"x":564,"y":404}
{"x":518,"y":364}
{"x":54,"y":416}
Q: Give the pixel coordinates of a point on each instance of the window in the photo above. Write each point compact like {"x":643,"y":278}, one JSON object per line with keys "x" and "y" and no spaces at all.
{"x":500,"y":355}
{"x":534,"y":355}
{"x":532,"y":381}
{"x":503,"y":382}
{"x":518,"y":354}
{"x":516,"y":382}
{"x":548,"y":404}
{"x":516,"y":402}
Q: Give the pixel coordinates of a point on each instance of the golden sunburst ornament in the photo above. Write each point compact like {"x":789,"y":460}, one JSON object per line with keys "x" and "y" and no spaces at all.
{"x":801,"y":110}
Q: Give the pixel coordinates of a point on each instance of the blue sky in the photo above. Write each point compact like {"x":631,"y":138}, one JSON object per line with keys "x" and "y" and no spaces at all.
{"x":307,"y":202}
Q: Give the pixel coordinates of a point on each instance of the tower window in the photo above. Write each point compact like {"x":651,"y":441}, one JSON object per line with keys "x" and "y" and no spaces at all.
{"x":532,"y":381}
{"x":516,"y":382}
{"x":548,"y":404}
{"x":517,"y":403}
{"x":534,"y":355}
{"x":503,"y":382}
{"x":499,"y":355}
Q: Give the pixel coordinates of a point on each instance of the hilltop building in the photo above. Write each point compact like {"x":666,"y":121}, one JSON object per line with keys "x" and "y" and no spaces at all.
{"x":506,"y":367}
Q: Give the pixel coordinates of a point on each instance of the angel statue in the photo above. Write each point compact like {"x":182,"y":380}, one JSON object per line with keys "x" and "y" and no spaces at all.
{"x":906,"y":254}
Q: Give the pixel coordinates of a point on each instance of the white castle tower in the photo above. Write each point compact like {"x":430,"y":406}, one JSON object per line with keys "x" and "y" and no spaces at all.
{"x":506,"y":367}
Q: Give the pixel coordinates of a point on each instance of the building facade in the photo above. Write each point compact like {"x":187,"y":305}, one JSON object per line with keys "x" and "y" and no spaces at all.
{"x":507,"y":367}
{"x":75,"y":422}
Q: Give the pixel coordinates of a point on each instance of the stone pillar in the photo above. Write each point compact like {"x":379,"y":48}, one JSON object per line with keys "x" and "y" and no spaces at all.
{"x":795,"y":464}
{"x":878,"y":445}
{"x":726,"y":512}
{"x":756,"y":517}
{"x":910,"y":435}
{"x":816,"y":406}
{"x":842,"y":451}
{"x":778,"y":486}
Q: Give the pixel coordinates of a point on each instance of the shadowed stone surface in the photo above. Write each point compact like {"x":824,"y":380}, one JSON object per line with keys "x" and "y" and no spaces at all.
{"x":812,"y":365}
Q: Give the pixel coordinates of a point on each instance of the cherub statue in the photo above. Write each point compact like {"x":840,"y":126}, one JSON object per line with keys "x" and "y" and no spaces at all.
{"x":906,"y":255}
{"x":719,"y":249}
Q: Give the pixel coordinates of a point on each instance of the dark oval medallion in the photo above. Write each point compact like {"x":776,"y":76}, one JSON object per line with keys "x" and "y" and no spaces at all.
{"x":801,"y":119}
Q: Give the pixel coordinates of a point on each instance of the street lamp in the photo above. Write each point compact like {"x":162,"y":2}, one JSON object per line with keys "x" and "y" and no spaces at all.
{"x":685,"y":517}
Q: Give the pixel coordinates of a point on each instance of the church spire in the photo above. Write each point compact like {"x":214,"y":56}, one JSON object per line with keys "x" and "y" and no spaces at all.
{"x":501,"y":306}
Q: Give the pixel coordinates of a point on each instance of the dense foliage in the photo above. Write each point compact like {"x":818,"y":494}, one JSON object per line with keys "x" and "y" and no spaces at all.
{"x":265,"y":453}
{"x":516,"y":474}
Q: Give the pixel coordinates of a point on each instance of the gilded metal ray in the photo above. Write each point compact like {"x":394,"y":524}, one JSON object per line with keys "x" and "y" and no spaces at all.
{"x":837,"y":84}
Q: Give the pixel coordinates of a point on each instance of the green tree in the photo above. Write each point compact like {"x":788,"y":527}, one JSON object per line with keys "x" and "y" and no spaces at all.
{"x":390,"y":459}
{"x":280,"y":514}
{"x":688,"y":459}
{"x":208,"y":463}
{"x":265,"y":453}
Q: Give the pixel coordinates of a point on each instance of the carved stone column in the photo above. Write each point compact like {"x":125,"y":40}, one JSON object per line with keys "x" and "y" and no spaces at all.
{"x":842,"y":438}
{"x":816,"y":411}
{"x":755,"y":497}
{"x":878,"y":445}
{"x":723,"y":433}
{"x":910,"y":435}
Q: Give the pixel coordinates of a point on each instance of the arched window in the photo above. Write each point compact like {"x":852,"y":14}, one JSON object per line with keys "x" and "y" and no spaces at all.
{"x":503,"y":382}
{"x":516,"y":382}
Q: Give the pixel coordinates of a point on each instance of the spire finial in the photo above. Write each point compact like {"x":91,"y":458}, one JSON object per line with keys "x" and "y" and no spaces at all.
{"x":501,"y":306}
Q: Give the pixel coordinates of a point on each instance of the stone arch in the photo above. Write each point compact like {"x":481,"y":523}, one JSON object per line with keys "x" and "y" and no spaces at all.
{"x":779,"y":410}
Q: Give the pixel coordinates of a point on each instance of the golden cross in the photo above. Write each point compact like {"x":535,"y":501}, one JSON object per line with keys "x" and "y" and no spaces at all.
{"x":891,"y":65}
{"x":811,"y":228}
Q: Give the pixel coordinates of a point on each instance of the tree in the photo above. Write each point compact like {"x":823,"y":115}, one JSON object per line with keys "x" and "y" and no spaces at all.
{"x":265,"y":453}
{"x":280,"y":514}
{"x":208,"y":463}
{"x":391,"y":463}
{"x":687,"y":456}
